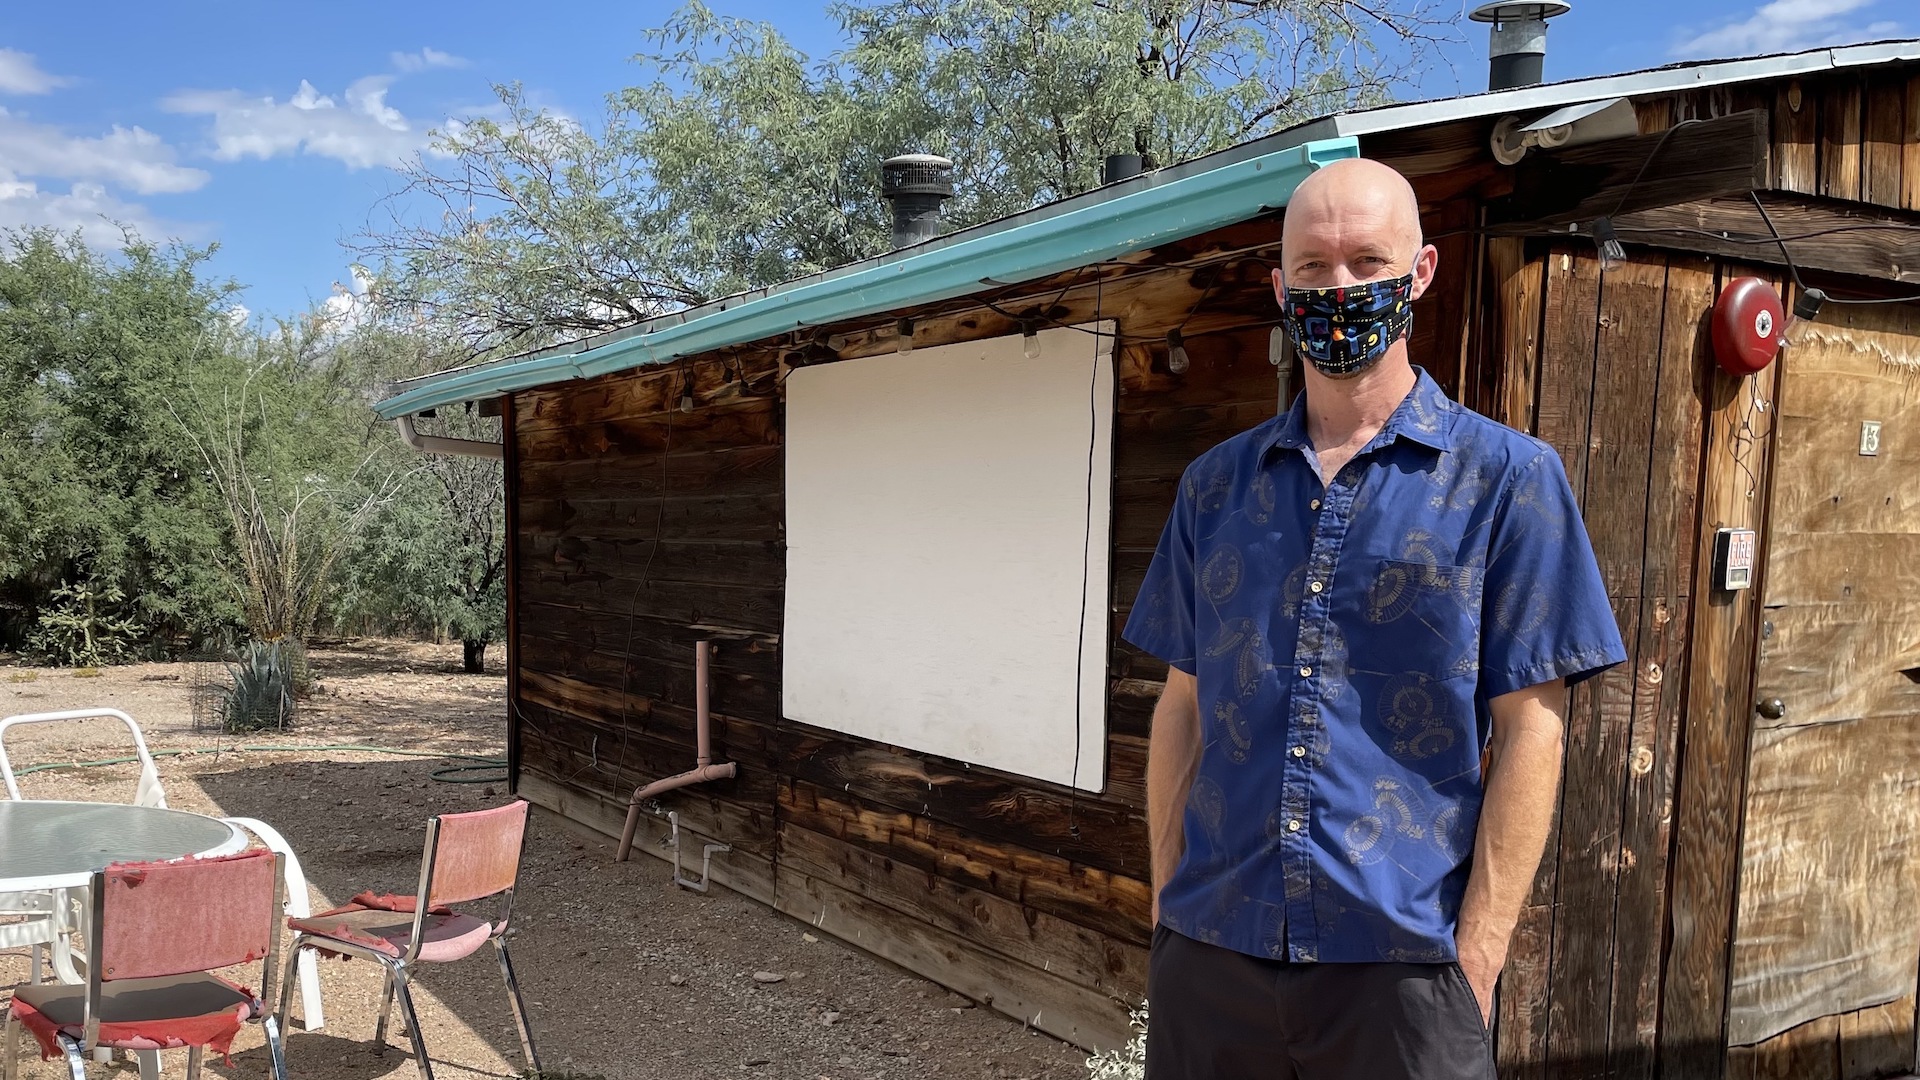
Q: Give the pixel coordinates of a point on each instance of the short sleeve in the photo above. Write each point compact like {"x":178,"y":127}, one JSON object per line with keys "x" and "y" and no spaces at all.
{"x":1162,"y":619}
{"x":1547,"y":614}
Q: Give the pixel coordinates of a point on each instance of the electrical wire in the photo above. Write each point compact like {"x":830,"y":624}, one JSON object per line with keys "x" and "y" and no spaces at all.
{"x":1086,"y":568}
{"x":1795,"y":270}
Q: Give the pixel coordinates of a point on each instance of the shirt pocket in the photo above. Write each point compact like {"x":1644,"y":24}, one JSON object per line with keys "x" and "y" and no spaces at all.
{"x":1426,"y":615}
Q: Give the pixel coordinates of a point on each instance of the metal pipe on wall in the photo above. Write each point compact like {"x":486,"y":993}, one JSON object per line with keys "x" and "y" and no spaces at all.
{"x":703,"y":769}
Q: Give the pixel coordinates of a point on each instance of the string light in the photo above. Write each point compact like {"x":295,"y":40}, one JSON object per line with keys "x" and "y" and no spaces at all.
{"x":903,"y":336}
{"x":1031,"y":339}
{"x":686,"y":393}
{"x":1177,"y":359}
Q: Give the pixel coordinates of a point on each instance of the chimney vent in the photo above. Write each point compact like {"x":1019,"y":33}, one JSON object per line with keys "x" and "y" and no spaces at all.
{"x":1518,"y":53}
{"x":1121,"y":166}
{"x":916,"y":184}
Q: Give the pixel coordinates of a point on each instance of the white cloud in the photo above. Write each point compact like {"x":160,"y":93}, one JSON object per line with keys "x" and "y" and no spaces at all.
{"x":364,"y":132}
{"x":426,"y":58}
{"x":21,"y":74}
{"x":133,"y":158}
{"x":1788,"y":26}
{"x":86,"y":208}
{"x":350,"y":303}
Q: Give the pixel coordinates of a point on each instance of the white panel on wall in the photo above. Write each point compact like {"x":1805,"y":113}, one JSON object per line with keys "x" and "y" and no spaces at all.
{"x":939,"y":529}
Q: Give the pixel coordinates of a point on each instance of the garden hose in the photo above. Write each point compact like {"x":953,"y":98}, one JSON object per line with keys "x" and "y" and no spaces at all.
{"x":495,"y":768}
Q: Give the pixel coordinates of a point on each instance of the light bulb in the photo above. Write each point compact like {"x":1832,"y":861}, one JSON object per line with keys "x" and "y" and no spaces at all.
{"x":1612,"y":252}
{"x":1031,"y":341}
{"x":1806,"y":308}
{"x":1177,"y":359}
{"x":686,"y":402}
{"x":903,"y":336}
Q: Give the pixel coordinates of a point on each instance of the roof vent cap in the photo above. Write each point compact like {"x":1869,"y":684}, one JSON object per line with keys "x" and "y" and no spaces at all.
{"x":1518,"y":52}
{"x":916,"y":184}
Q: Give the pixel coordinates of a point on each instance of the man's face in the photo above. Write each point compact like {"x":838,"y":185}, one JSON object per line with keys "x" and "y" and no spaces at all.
{"x":1352,"y":223}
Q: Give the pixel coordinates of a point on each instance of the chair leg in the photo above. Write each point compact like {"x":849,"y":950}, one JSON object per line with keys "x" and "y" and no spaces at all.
{"x":286,"y":987}
{"x":76,"y":1057}
{"x":519,"y":1006}
{"x":149,"y":1063}
{"x":412,"y":1020}
{"x":276,"y":1048}
{"x":306,"y":962}
{"x":386,"y":1009}
{"x":193,"y":1062}
{"x":10,"y":1046}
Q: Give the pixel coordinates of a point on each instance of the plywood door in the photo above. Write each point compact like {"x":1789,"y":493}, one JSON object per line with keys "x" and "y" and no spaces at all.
{"x":1829,"y":871}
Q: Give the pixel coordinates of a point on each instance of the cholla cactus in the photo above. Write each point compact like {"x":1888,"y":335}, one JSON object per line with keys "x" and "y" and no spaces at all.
{"x":1130,"y":1061}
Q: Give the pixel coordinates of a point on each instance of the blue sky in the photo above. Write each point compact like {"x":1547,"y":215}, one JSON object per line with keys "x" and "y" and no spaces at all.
{"x":270,"y":128}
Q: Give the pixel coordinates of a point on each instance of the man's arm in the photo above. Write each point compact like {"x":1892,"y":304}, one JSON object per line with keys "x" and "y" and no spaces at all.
{"x":1522,"y":782}
{"x":1173,"y":756}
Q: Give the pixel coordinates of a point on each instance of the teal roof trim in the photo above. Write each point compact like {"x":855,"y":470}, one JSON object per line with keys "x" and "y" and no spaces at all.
{"x":1142,"y":219}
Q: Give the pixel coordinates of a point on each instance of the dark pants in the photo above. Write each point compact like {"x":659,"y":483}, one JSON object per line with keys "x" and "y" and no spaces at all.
{"x":1215,"y":1014}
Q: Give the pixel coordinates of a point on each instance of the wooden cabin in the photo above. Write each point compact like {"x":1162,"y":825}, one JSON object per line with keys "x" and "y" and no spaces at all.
{"x":833,"y":482}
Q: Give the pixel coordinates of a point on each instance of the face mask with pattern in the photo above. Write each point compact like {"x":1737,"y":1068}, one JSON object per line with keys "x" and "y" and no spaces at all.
{"x":1347,"y":329}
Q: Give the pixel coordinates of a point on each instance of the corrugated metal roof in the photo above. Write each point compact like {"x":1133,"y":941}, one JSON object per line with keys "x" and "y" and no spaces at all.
{"x":468,"y":383}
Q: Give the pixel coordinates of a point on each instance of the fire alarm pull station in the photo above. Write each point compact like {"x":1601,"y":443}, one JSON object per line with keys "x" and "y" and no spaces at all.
{"x":1733,"y":559}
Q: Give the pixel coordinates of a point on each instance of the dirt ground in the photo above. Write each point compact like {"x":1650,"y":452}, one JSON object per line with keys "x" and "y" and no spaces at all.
{"x":626,"y":977}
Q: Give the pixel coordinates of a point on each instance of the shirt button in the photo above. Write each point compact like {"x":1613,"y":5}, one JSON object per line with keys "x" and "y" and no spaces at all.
{"x":1314,"y":505}
{"x":1315,"y":587}
{"x":1306,"y":673}
{"x":1294,"y":825}
{"x":1299,"y":751}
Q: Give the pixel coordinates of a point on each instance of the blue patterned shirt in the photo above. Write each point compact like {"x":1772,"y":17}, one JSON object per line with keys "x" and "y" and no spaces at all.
{"x":1346,"y":642}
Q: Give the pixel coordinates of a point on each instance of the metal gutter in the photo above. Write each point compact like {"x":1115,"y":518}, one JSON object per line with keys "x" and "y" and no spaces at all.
{"x":1141,"y":219}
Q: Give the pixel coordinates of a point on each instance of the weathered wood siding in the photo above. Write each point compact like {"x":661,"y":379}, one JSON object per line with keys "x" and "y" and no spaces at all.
{"x":640,"y":529}
{"x":1828,"y":873}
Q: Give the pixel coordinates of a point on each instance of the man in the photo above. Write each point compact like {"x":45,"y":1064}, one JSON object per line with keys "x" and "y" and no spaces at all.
{"x":1361,"y":601}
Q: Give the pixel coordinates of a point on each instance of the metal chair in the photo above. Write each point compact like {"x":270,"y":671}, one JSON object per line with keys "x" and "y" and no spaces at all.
{"x":468,"y":857}
{"x":159,"y":931}
{"x":45,"y":919}
{"x":51,"y":931}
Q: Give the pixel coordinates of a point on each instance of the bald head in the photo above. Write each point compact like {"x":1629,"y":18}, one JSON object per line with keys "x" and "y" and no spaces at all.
{"x":1354,"y":220}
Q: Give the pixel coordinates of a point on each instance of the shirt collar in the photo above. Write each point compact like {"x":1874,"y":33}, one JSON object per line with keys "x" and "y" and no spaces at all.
{"x":1425,"y":416}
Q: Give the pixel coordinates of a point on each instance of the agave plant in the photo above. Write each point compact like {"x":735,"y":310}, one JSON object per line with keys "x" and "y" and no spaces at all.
{"x":262,"y":692}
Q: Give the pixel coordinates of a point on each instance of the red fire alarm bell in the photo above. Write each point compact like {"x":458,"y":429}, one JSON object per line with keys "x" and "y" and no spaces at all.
{"x":1747,"y":323}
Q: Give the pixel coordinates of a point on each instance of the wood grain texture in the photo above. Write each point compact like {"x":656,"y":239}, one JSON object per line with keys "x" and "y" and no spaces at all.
{"x":1710,"y":794}
{"x":1852,"y":239}
{"x":510,"y":480}
{"x":1049,"y":1002}
{"x":1660,"y":675}
{"x":1808,"y":1052}
{"x":1840,"y":141}
{"x":1827,"y":875}
{"x":1599,"y":725}
{"x":1723,"y":156}
{"x":1878,"y":1042}
{"x":1796,"y":139}
{"x":1836,"y":662}
{"x":1910,"y":148}
{"x":1883,"y":132}
{"x":1520,"y":287}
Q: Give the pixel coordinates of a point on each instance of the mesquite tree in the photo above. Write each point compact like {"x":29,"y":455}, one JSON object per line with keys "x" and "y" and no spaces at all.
{"x":740,"y":162}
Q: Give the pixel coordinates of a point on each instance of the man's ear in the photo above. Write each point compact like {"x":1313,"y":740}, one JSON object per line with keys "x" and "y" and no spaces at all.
{"x":1279,"y":287}
{"x":1426,"y":263}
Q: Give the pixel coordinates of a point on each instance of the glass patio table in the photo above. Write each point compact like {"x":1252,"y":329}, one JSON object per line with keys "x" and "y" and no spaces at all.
{"x":54,"y":847}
